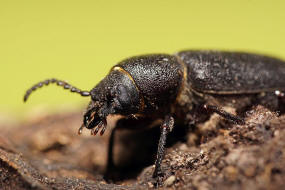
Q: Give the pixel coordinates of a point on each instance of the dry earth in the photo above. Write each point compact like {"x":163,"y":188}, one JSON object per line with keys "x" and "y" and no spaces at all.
{"x":46,"y":153}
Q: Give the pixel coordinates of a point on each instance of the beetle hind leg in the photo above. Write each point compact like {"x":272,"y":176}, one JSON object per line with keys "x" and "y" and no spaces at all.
{"x":234,"y":118}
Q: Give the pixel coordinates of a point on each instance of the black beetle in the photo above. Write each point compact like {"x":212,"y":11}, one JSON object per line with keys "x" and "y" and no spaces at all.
{"x":175,"y":87}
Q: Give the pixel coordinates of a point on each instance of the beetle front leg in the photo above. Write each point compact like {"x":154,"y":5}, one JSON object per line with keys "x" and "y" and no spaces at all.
{"x":166,"y":127}
{"x":110,"y":161}
{"x":224,"y":114}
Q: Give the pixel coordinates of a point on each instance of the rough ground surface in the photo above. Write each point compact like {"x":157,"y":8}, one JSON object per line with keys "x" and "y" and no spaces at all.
{"x":46,"y":153}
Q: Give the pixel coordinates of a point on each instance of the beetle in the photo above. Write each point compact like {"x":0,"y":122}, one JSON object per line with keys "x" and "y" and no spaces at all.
{"x":175,"y":87}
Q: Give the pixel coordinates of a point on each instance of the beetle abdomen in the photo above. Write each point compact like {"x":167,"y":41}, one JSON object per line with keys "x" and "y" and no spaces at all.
{"x":233,"y":72}
{"x":157,"y":76}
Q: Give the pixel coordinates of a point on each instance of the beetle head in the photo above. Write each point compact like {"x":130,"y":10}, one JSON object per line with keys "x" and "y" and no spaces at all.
{"x":115,"y":94}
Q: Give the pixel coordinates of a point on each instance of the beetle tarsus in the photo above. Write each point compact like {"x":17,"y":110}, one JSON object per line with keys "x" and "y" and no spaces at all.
{"x":224,"y":114}
{"x":166,"y":127}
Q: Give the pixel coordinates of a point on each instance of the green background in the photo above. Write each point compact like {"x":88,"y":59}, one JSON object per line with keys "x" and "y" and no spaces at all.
{"x":79,"y":41}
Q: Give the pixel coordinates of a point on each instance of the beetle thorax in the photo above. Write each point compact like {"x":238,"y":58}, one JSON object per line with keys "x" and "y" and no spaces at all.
{"x":158,"y":78}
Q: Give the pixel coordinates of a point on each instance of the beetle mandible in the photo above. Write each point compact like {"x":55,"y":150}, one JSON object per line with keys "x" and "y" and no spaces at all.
{"x":169,"y":87}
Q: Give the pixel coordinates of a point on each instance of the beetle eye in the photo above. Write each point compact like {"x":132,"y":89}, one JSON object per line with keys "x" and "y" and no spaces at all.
{"x":122,"y":94}
{"x":120,"y":97}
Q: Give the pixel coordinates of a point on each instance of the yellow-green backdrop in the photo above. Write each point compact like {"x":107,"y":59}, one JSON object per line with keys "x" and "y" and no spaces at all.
{"x":79,"y":41}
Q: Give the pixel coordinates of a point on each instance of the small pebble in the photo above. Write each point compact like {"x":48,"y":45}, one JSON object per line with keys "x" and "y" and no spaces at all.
{"x":170,"y":180}
{"x":150,"y":185}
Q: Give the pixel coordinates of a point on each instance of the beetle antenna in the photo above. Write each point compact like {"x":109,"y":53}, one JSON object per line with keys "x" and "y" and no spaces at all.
{"x":64,"y":84}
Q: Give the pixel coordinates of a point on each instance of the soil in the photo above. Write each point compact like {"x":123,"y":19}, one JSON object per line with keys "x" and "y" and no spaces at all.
{"x":45,"y":152}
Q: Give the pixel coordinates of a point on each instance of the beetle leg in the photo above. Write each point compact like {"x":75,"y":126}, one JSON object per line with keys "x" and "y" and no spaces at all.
{"x":166,"y":127}
{"x":110,"y":161}
{"x":224,"y":114}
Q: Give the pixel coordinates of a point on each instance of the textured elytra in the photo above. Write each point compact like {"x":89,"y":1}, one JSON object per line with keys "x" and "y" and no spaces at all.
{"x":221,"y":72}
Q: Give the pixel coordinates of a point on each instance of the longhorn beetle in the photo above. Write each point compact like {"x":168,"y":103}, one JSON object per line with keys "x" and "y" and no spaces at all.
{"x":175,"y":87}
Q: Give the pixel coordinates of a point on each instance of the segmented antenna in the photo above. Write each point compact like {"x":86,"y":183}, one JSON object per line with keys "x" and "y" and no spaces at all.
{"x":64,"y":84}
